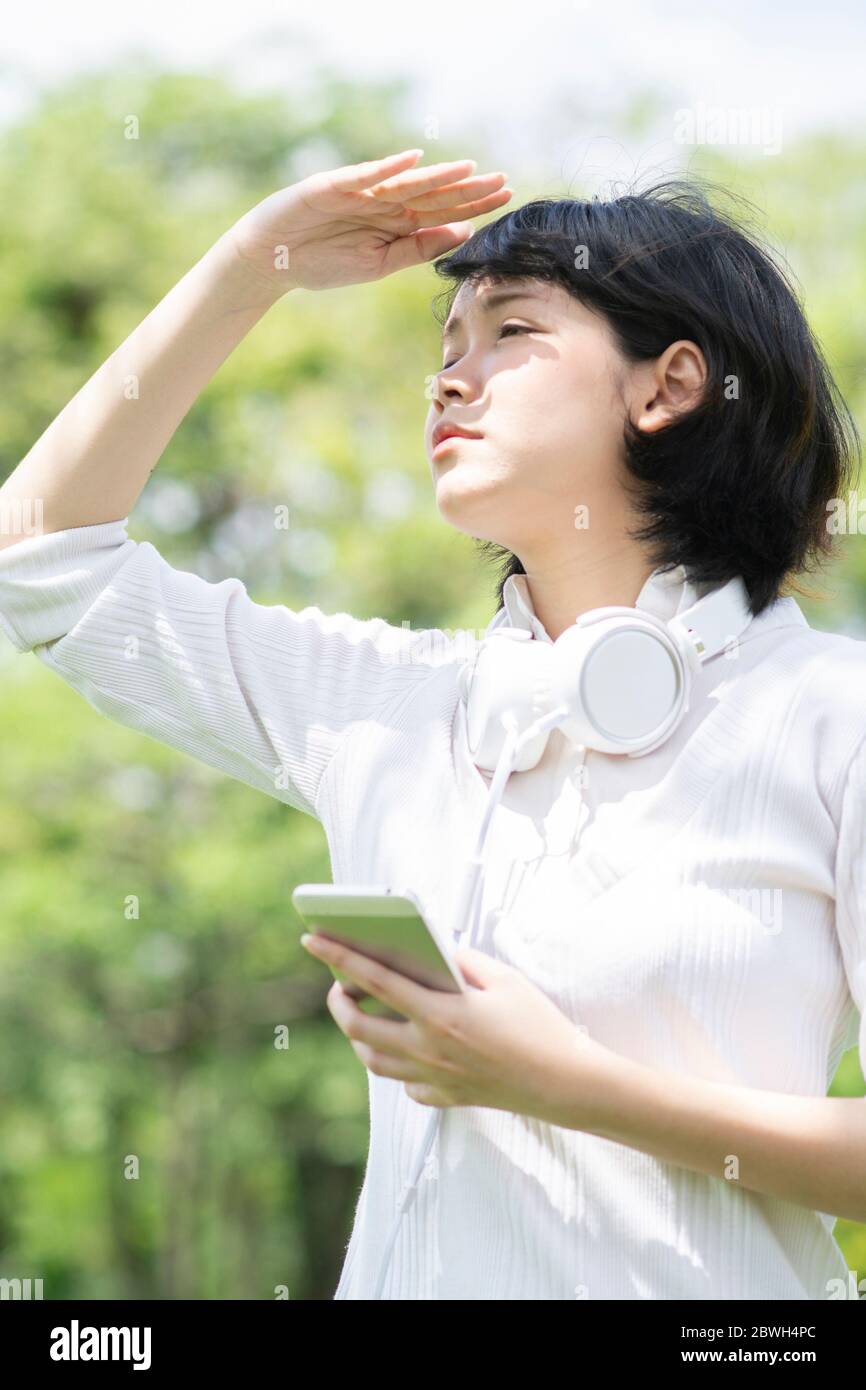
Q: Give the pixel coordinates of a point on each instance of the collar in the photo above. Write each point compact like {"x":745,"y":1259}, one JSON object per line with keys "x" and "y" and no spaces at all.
{"x":664,"y":593}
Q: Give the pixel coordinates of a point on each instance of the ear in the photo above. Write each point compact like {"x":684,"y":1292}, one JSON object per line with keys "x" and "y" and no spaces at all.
{"x":672,"y":386}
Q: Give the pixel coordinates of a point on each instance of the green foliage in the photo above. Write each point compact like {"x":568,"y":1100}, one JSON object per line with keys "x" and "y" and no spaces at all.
{"x":151,"y":1035}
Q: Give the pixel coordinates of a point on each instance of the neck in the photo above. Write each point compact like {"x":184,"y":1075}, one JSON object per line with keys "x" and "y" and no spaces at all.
{"x":560,"y":592}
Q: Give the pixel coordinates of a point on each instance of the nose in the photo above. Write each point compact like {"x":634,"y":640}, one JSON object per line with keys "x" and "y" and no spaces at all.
{"x":450,"y":384}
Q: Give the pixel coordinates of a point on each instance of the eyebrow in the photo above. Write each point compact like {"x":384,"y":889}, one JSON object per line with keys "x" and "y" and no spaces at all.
{"x":485,"y":305}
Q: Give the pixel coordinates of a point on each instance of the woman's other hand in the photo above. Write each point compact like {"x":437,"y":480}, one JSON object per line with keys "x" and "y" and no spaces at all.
{"x":502,"y":1043}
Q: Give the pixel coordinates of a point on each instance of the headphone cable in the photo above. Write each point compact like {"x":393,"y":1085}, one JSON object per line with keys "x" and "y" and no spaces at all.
{"x":470,"y":911}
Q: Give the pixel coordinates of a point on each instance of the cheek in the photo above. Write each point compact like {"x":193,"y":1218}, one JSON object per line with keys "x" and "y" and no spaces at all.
{"x":543,"y":388}
{"x":568,"y":402}
{"x":542,"y":412}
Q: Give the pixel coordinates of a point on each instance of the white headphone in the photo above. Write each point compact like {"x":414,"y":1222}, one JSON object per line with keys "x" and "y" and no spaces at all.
{"x":618,"y":680}
{"x":622,"y":676}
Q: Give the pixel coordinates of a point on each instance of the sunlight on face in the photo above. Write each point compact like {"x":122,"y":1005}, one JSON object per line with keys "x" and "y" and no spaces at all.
{"x":539,"y":378}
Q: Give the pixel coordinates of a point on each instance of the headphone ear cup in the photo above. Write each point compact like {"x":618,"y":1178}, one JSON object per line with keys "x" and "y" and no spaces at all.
{"x":510,"y":676}
{"x":623,"y":681}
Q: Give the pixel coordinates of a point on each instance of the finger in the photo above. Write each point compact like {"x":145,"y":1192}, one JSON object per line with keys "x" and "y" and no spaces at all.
{"x":459,"y":212}
{"x":427,"y":1095}
{"x":383,"y":1064}
{"x":384,"y":1035}
{"x":372,"y":1046}
{"x":452,"y":194}
{"x":356,"y":176}
{"x":388,"y":986}
{"x":414,"y":181}
{"x":425,"y":245}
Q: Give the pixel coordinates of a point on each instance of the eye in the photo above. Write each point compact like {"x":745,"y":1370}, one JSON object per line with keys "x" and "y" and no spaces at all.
{"x":506,"y":328}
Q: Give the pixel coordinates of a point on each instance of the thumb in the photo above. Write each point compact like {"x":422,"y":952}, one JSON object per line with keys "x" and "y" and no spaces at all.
{"x":435,"y":241}
{"x":479,"y":968}
{"x":425,"y":245}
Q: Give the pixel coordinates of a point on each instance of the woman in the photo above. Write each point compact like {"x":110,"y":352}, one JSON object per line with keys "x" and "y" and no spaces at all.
{"x":673,"y":947}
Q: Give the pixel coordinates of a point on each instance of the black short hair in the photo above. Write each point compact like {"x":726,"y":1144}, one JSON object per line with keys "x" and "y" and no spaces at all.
{"x":735,"y":486}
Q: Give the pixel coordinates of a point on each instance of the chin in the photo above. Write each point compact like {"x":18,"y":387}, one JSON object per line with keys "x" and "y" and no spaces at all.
{"x":460,"y":487}
{"x":470,"y":514}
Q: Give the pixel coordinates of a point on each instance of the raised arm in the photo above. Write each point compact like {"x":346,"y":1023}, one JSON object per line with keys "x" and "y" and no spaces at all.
{"x":93,"y":460}
{"x":342,"y":227}
{"x":262,"y":693}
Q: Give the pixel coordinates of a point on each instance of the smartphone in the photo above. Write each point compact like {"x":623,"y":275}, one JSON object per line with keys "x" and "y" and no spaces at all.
{"x":386,"y":924}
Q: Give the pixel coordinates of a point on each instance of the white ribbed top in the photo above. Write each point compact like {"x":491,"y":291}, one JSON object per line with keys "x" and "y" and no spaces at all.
{"x":701,"y":909}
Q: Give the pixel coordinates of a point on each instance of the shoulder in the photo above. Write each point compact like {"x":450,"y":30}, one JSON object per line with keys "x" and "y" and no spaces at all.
{"x":811,"y":693}
{"x":827,"y":666}
{"x":834,"y":709}
{"x":835,"y":664}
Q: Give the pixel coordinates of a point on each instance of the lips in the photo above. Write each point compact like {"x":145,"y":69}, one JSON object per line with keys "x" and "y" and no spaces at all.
{"x":443,"y":431}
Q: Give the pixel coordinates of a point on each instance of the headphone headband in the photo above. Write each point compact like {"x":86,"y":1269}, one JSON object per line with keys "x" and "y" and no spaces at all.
{"x":716,"y":619}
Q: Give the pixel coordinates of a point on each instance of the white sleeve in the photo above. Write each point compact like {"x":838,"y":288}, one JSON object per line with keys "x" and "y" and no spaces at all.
{"x":262,"y":693}
{"x":851,"y":888}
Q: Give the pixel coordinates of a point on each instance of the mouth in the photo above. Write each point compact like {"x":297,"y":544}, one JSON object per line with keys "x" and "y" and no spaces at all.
{"x":450,"y":440}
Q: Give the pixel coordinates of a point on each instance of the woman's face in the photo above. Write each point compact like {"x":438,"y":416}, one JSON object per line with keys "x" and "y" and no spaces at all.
{"x":539,"y":379}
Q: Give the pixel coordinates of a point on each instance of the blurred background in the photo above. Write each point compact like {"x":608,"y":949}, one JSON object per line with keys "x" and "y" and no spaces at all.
{"x":154,"y":1035}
